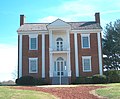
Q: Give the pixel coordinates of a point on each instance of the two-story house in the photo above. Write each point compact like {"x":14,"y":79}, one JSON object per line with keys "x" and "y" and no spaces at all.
{"x":59,"y":51}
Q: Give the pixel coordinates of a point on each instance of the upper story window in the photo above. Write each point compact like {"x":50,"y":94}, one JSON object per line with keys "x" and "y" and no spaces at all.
{"x":59,"y":42}
{"x":33,"y":65}
{"x":86,"y":63}
{"x":33,"y":43}
{"x":85,"y":40}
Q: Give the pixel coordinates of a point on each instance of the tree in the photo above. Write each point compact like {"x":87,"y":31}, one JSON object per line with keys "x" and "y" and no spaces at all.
{"x":111,"y":46}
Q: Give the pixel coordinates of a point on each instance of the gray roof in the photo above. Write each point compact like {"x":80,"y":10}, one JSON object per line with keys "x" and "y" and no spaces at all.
{"x":74,"y":26}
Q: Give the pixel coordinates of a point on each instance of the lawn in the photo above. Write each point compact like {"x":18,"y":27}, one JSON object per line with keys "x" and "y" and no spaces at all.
{"x":7,"y":93}
{"x":112,"y":91}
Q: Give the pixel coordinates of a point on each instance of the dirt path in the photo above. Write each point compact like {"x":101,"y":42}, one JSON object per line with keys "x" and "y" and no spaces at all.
{"x":78,"y":92}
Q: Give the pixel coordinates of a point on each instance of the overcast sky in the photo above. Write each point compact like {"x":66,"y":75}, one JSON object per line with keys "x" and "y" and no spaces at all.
{"x":45,"y":11}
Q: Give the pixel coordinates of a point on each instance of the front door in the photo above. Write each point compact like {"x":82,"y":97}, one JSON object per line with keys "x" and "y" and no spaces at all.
{"x":60,"y":72}
{"x":60,"y":68}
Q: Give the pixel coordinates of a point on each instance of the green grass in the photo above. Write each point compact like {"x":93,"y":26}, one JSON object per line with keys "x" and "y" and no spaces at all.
{"x":111,"y":92}
{"x":7,"y":93}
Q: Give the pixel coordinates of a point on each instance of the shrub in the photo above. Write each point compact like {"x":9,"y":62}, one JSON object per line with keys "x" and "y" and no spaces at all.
{"x":26,"y":80}
{"x":99,"y":79}
{"x":41,"y":81}
{"x":83,"y":80}
{"x":113,"y":76}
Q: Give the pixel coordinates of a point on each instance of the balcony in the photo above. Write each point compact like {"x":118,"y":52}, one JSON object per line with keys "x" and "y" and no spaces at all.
{"x":59,"y":50}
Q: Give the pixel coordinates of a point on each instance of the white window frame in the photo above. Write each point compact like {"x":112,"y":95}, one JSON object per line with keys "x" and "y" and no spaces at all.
{"x":85,"y":35}
{"x":30,"y":37}
{"x":58,"y":46}
{"x":36,"y":59}
{"x":86,"y":57}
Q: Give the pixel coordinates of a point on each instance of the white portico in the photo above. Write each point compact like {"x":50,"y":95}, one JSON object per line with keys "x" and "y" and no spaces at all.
{"x":59,"y":42}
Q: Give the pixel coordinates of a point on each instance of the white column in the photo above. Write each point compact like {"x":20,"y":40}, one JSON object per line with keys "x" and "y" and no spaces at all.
{"x":43,"y":55}
{"x":20,"y":55}
{"x":50,"y":54}
{"x":76,"y":55}
{"x":68,"y":64}
{"x":68,"y":40}
{"x":99,"y":53}
{"x":68,"y":54}
{"x":50,"y":40}
{"x":51,"y":66}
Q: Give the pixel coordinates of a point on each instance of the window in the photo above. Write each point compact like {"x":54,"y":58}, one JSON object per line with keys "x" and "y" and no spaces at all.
{"x":33,"y":65}
{"x":33,"y":43}
{"x":59,"y":42}
{"x":85,"y":40}
{"x":86,"y":63}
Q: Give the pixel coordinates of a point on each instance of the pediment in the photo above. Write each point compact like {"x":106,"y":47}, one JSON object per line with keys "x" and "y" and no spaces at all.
{"x":59,"y":24}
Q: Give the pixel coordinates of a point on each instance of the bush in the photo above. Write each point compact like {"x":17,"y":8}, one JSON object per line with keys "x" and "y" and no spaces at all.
{"x":29,"y":80}
{"x":113,"y":76}
{"x":83,"y":80}
{"x":26,"y":80}
{"x":41,"y":81}
{"x":99,"y":79}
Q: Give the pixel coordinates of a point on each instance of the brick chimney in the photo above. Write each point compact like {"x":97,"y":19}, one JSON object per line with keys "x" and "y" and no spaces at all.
{"x":21,"y":20}
{"x":97,"y":17}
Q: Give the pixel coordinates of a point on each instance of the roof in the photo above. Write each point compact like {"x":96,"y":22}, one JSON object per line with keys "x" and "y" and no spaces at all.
{"x":74,"y":26}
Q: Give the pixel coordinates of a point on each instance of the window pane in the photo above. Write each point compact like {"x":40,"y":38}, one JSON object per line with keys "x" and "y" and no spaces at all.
{"x":85,"y":42}
{"x":54,"y":66}
{"x":33,"y":43}
{"x":33,"y":65}
{"x":62,"y":66}
{"x":58,"y":66}
{"x":86,"y":64}
{"x":62,"y":73}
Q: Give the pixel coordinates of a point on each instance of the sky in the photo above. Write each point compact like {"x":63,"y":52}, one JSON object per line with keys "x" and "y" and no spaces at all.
{"x":45,"y":11}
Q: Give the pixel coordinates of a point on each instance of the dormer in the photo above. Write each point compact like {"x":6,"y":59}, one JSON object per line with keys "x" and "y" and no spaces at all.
{"x":58,"y":25}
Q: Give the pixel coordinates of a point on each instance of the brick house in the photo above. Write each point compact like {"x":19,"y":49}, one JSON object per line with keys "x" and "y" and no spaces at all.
{"x":59,"y":51}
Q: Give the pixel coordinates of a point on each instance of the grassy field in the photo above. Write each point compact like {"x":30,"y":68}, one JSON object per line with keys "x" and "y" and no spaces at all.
{"x":7,"y":93}
{"x":111,"y":92}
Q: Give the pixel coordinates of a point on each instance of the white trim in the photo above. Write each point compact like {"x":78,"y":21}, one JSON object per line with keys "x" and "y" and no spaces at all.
{"x":33,"y":36}
{"x":20,"y":56}
{"x":87,"y":31}
{"x":85,"y":35}
{"x":86,"y":57}
{"x":99,"y":53}
{"x":47,"y":32}
{"x":36,"y":59}
{"x":32,"y":32}
{"x":43,"y":55}
{"x":76,"y":55}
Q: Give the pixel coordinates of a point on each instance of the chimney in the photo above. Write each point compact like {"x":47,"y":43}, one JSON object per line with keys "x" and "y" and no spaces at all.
{"x":21,"y":20}
{"x":97,"y":17}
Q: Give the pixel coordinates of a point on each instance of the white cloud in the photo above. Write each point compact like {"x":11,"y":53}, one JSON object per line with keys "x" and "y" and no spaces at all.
{"x":47,"y":19}
{"x":110,"y":11}
{"x":8,"y":61}
{"x":77,"y":6}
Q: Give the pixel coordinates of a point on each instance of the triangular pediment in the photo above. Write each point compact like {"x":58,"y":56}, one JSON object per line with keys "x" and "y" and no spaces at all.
{"x":59,"y":24}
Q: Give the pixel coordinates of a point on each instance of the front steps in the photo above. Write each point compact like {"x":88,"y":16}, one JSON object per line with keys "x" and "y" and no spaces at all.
{"x":56,"y":80}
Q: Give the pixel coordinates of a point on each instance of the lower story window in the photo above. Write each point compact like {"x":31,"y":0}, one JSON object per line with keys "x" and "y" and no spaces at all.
{"x":33,"y":65}
{"x":86,"y":63}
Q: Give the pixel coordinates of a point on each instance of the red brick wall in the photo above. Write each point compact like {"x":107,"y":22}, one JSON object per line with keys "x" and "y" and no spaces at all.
{"x":47,"y":57}
{"x":72,"y":56}
{"x":92,"y":51}
{"x":31,"y":54}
